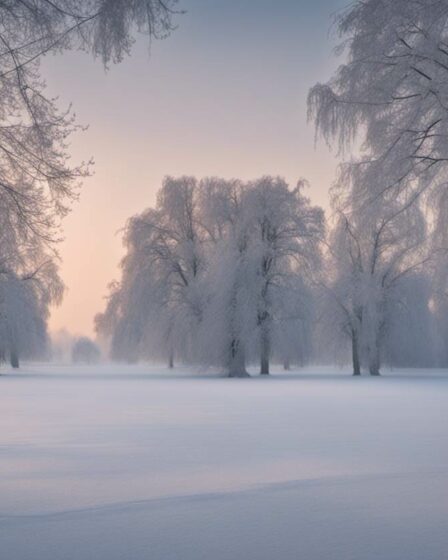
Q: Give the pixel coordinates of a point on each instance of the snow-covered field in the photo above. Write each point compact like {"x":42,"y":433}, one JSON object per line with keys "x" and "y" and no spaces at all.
{"x":135,"y":463}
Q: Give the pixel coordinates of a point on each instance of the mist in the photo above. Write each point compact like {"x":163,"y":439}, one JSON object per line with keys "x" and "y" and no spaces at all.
{"x":223,"y":279}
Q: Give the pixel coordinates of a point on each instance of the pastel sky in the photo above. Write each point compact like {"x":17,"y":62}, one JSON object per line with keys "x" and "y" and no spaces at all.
{"x":224,"y":95}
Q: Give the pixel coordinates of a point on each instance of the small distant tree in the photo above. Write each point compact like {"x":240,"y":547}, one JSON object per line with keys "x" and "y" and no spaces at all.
{"x":61,"y":345}
{"x":85,"y":351}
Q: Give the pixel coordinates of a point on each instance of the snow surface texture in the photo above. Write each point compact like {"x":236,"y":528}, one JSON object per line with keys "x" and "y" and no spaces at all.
{"x":130,"y":463}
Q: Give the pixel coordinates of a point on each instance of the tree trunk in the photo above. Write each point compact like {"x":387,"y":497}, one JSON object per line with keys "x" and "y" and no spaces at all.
{"x":237,"y":362}
{"x":374,"y":360}
{"x":374,"y":368}
{"x":286,"y":364}
{"x":265,"y":352}
{"x":171,"y":360}
{"x":264,"y":364}
{"x":355,"y":353}
{"x":14,"y":359}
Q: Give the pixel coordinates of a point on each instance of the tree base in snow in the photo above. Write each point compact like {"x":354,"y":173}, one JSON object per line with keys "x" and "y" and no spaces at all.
{"x":372,"y":374}
{"x":14,"y":361}
{"x":238,"y":374}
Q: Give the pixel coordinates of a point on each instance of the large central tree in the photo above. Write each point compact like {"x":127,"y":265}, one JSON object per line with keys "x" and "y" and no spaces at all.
{"x":216,"y":273}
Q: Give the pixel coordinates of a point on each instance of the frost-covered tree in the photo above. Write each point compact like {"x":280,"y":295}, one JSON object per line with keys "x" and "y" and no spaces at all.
{"x":157,"y":306}
{"x":440,"y":310}
{"x":293,"y":329}
{"x":29,"y":284}
{"x":390,"y":92}
{"x":439,"y":293}
{"x":386,"y":103}
{"x":217,"y":272}
{"x":37,"y":180}
{"x":388,"y":98}
{"x":284,"y":247}
{"x":374,"y":246}
{"x":229,"y":322}
{"x":411,"y":337}
{"x":24,"y":310}
{"x":265,"y":242}
{"x":85,"y":351}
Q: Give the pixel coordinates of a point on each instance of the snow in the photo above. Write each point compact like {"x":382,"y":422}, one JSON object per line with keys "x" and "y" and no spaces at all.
{"x":131,"y":462}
